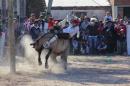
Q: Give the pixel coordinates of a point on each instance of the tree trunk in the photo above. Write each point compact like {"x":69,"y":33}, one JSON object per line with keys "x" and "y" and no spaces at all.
{"x":11,"y":37}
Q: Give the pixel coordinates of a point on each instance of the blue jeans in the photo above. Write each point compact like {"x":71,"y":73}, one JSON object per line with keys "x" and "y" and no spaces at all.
{"x":92,"y":43}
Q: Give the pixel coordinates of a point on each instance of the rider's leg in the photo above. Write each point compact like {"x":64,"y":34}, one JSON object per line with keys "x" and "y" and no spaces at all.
{"x":48,"y":43}
{"x":59,"y":35}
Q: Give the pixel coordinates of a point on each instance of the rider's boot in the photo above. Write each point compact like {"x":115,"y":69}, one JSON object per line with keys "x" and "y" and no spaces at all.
{"x":48,"y":43}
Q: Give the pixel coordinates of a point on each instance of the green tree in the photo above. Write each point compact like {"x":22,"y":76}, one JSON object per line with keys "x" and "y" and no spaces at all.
{"x":35,"y":6}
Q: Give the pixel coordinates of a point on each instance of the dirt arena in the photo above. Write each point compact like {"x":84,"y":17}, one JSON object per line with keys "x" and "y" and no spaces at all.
{"x":82,"y":71}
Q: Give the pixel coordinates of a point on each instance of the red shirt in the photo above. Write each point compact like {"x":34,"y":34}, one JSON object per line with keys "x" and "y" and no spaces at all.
{"x":50,"y":25}
{"x":120,"y":29}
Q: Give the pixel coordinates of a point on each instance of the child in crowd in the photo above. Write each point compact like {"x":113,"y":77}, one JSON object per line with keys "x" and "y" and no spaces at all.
{"x":102,"y":47}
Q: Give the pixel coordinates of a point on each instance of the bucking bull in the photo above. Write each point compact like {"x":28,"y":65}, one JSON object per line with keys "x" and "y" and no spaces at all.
{"x":60,"y":47}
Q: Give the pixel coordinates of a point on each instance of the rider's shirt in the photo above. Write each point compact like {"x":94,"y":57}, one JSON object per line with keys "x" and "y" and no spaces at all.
{"x":72,"y":31}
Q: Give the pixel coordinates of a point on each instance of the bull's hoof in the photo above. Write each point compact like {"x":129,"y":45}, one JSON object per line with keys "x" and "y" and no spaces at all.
{"x":40,"y":63}
{"x":46,"y":66}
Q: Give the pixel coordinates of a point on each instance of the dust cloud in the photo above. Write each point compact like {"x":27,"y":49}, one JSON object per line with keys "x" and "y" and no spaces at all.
{"x":31,"y":58}
{"x":27,"y":61}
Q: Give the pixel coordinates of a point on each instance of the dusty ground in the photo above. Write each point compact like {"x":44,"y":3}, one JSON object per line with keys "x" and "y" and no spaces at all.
{"x":82,"y":71}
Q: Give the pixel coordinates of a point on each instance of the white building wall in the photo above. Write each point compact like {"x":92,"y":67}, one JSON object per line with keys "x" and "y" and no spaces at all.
{"x":61,"y":14}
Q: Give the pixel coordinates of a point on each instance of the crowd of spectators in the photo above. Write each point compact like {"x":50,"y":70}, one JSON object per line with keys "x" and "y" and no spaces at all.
{"x":97,"y":37}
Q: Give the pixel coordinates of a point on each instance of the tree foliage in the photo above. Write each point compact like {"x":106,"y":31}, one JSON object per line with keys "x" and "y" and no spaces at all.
{"x":35,"y":6}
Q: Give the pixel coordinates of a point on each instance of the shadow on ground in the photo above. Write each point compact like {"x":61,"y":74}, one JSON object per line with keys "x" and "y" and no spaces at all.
{"x":105,"y":60}
{"x":88,"y":75}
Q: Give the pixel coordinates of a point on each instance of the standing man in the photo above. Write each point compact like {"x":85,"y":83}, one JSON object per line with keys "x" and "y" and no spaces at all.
{"x":121,"y":36}
{"x":35,"y":30}
{"x":50,"y":23}
{"x":29,"y":22}
{"x":43,"y":24}
{"x":108,"y":17}
{"x":32,"y":18}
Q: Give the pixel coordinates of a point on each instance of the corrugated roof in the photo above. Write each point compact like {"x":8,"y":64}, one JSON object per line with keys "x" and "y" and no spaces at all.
{"x":72,"y":3}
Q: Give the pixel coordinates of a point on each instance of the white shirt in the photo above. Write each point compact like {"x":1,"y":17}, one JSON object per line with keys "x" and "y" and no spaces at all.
{"x":72,"y":31}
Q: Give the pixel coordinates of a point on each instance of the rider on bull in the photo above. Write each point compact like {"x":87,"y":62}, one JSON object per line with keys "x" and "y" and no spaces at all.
{"x":67,"y":33}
